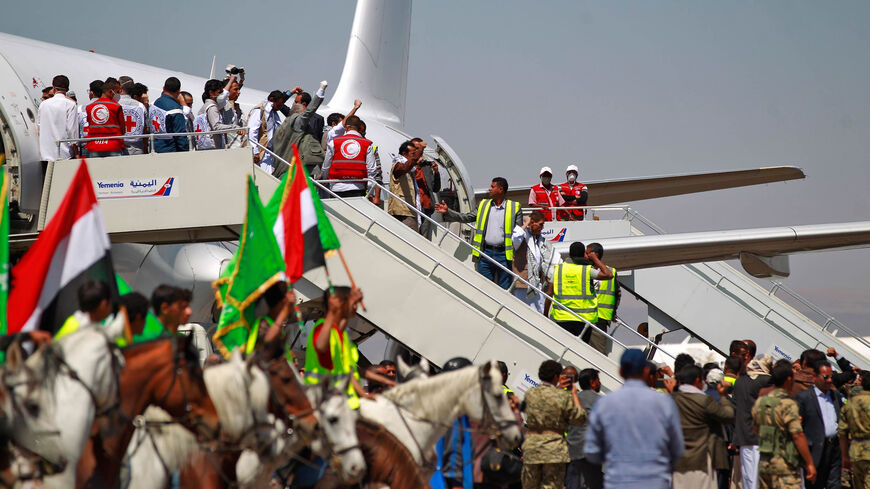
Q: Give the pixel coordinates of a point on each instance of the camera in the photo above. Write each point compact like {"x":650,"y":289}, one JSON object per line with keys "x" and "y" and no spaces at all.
{"x":234,"y":70}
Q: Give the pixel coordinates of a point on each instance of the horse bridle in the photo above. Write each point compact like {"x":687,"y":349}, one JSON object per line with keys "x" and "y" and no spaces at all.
{"x":116,"y":374}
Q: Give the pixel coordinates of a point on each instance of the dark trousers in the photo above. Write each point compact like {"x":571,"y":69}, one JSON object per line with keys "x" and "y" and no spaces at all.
{"x":829,"y":467}
{"x":351,"y":193}
{"x":576,"y":327}
{"x":583,"y":474}
{"x":492,"y":272}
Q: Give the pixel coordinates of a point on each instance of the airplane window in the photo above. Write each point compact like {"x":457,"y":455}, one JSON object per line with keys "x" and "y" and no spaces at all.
{"x":32,"y":117}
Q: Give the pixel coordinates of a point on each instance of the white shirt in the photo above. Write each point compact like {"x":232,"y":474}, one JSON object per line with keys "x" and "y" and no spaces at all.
{"x":57,"y":120}
{"x":273,"y":122}
{"x":520,"y":235}
{"x":336,"y":131}
{"x":829,"y":412}
{"x":371,"y":168}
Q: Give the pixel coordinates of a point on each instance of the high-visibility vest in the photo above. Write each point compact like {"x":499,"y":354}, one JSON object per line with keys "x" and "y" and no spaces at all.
{"x":157,"y":120}
{"x":349,"y":158}
{"x":512,"y":209}
{"x":104,"y":120}
{"x":576,"y":190}
{"x":607,"y":297}
{"x":549,"y":198}
{"x":200,"y":124}
{"x":573,"y":288}
{"x":344,"y":360}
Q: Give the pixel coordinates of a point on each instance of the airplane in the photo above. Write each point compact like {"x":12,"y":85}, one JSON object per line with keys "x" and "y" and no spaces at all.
{"x":375,"y":71}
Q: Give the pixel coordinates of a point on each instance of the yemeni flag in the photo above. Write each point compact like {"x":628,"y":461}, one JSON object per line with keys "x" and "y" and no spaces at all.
{"x":256,"y":266}
{"x":72,"y":249}
{"x":300,"y":225}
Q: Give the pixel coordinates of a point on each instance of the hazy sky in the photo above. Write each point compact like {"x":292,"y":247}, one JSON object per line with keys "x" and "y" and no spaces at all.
{"x":622,"y":89}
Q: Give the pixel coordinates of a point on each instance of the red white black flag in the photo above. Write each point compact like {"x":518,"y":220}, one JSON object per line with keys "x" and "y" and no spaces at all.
{"x":73,"y":248}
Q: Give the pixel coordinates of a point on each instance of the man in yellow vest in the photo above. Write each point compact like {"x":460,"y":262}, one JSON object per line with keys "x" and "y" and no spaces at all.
{"x":329,"y":351}
{"x":495,"y":222}
{"x":95,"y":305}
{"x":609,"y":292}
{"x":572,"y":287}
{"x":267,"y":332}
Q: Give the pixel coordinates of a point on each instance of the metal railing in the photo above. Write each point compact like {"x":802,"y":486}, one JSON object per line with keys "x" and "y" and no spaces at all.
{"x":829,"y":319}
{"x":446,"y":232}
{"x":438,"y":264}
{"x":765,"y":311}
{"x":152,"y":136}
{"x":591,"y":210}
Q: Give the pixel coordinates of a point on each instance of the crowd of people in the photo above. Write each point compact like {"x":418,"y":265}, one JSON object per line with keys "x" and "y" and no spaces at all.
{"x":754,"y":422}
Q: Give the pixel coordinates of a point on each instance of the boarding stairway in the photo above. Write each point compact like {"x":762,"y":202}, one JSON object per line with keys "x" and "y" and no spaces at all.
{"x":425,"y":296}
{"x":717,"y":303}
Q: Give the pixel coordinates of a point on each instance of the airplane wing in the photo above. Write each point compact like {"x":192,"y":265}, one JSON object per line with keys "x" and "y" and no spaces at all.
{"x":629,"y":190}
{"x":761,"y":251}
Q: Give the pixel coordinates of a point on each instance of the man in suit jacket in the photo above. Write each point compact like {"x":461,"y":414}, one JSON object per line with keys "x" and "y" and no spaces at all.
{"x":820,"y":412}
{"x":701,"y":418}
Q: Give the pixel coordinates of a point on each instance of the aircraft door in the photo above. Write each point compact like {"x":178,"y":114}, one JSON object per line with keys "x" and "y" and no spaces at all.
{"x":18,"y":130}
{"x":458,"y":174}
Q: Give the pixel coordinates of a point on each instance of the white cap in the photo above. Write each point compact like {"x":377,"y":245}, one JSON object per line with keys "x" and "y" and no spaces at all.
{"x":714,"y":376}
{"x":546,"y":169}
{"x":572,"y":168}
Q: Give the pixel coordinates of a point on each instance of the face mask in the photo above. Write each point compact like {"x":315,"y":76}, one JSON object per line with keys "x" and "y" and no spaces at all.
{"x":572,"y":178}
{"x":116,"y":97}
{"x":546,"y":180}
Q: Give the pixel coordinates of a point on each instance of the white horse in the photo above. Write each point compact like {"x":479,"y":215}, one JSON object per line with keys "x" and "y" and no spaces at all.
{"x":29,"y":418}
{"x":429,"y":406}
{"x":240,"y":394}
{"x":337,"y":438}
{"x":85,"y":369}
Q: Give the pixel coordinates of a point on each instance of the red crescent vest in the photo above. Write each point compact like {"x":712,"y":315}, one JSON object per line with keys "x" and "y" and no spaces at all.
{"x":576,"y":190}
{"x":550,"y":198}
{"x":103,"y":120}
{"x":349,"y":158}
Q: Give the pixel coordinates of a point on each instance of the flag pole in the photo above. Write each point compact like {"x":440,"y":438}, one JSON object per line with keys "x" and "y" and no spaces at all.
{"x":346,"y":269}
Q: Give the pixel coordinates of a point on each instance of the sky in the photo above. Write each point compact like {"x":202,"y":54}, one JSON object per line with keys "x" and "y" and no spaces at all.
{"x":622,"y":89}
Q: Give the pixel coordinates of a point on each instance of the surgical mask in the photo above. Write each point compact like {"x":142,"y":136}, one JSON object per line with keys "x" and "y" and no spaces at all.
{"x":572,"y":177}
{"x":546,"y":180}
{"x":116,"y":97}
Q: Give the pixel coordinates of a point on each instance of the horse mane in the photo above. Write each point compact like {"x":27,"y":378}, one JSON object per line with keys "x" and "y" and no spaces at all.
{"x":187,"y":352}
{"x":44,"y":366}
{"x":449,"y":387}
{"x":240,"y":395}
{"x":389,"y":461}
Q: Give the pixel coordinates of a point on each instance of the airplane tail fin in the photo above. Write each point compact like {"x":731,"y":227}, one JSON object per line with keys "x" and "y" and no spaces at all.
{"x":376,"y":68}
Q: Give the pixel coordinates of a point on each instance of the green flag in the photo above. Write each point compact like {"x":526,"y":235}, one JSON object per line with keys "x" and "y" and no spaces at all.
{"x":256,"y":266}
{"x":153,"y":329}
{"x":4,"y":251}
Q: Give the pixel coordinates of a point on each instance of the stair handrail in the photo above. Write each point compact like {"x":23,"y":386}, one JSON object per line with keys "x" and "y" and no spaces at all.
{"x":319,"y":184}
{"x":447,"y":232}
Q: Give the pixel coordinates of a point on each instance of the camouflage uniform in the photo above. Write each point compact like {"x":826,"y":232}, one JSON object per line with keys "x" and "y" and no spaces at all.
{"x":854,"y":425}
{"x":549,"y":411}
{"x":777,"y":419}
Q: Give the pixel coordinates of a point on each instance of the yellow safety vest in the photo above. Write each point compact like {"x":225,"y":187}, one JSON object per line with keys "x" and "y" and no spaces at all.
{"x":344,"y":363}
{"x":573,"y":288}
{"x":607,"y":297}
{"x":512,"y":209}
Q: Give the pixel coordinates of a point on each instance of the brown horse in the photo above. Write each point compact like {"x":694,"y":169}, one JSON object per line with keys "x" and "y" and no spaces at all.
{"x":288,"y":403}
{"x":389,"y":462}
{"x":165,"y":373}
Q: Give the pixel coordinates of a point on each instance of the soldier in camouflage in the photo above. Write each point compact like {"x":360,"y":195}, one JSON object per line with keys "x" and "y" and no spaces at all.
{"x":854,"y":431}
{"x":781,"y":440}
{"x":549,"y":410}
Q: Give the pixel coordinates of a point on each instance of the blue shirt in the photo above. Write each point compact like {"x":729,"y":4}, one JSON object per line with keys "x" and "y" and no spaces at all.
{"x":636,"y":432}
{"x":829,"y":412}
